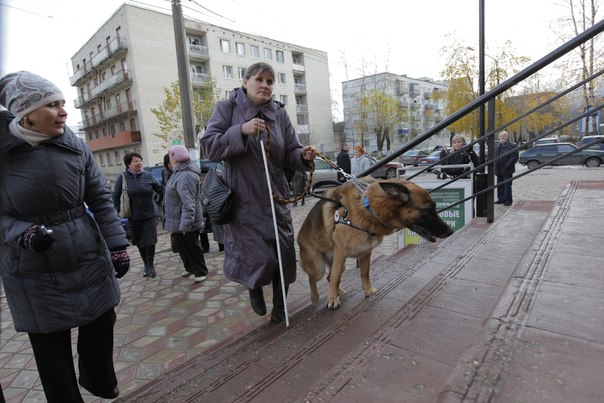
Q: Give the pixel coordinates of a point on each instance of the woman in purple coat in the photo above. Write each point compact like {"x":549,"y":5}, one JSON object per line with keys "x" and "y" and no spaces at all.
{"x":233,"y":136}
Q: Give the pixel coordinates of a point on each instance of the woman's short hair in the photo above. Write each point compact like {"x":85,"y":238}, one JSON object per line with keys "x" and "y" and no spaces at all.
{"x":259,"y":68}
{"x":129,"y":156}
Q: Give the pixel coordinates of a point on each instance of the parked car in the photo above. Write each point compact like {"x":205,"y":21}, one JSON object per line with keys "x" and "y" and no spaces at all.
{"x":543,"y":153}
{"x":430,"y":159}
{"x":156,"y":171}
{"x":547,"y":140}
{"x":387,"y":171}
{"x":412,"y":157}
{"x":590,"y":139}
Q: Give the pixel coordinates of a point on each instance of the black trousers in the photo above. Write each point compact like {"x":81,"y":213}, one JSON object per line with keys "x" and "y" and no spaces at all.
{"x":95,"y":360}
{"x":191,"y":253}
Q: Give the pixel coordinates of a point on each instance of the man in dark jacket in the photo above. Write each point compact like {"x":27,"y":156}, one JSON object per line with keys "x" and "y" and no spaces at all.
{"x":505,"y":168}
{"x":343,"y":161}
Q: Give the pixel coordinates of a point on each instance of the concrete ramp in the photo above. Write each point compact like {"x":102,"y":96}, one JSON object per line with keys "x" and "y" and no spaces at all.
{"x":510,"y":311}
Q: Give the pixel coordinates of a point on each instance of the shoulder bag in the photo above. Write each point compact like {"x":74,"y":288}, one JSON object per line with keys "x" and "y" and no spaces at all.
{"x":216,"y":198}
{"x":125,"y":208}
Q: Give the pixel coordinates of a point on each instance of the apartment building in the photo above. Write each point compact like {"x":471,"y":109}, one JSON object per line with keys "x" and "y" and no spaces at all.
{"x":419,"y":100}
{"x":122,"y":70}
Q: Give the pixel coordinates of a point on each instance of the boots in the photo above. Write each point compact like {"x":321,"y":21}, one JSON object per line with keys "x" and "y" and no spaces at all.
{"x":278,"y":312}
{"x":143,"y":253}
{"x":150,"y":252}
{"x":257,"y":301}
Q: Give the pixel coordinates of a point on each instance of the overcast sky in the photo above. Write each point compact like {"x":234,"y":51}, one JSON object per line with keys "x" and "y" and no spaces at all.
{"x":401,"y":37}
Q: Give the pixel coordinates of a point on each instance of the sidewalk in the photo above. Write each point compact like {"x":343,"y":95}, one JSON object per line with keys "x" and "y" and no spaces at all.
{"x":166,"y":321}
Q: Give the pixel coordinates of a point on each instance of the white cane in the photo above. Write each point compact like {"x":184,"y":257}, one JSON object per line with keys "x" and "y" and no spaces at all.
{"x":270,"y":196}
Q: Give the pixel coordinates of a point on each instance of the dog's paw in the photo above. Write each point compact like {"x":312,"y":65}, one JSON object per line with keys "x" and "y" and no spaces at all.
{"x":369,"y":291}
{"x":333,"y":303}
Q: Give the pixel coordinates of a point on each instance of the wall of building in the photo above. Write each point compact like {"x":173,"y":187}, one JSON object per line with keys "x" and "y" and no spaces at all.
{"x":152,"y":67}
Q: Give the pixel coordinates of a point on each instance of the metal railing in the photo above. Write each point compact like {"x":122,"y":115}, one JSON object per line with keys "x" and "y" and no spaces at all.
{"x":487,"y":140}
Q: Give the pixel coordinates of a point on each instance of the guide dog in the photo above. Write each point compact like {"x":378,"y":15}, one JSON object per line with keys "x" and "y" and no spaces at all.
{"x":350,"y":223}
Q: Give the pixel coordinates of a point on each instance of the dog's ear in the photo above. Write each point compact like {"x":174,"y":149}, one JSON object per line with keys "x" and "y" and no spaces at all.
{"x":396,"y":191}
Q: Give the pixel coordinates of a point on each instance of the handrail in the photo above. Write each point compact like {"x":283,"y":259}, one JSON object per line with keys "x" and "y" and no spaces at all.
{"x":483,"y":99}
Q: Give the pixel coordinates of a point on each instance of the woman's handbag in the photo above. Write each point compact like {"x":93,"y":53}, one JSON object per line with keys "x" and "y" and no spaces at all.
{"x":125,"y":208}
{"x":216,"y":198}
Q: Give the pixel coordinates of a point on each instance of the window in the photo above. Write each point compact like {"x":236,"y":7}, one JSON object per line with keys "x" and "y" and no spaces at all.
{"x":241,"y":72}
{"x":227,"y":71}
{"x":240,"y":48}
{"x":283,"y":99}
{"x":107,"y":104}
{"x":281,"y":78}
{"x":109,"y":159}
{"x":194,"y":41}
{"x":117,"y":157}
{"x":268,"y":54}
{"x":254,"y":51}
{"x":101,"y":160}
{"x":113,"y":70}
{"x":280,"y":56}
{"x":197,"y":70}
{"x":225,"y":46}
{"x":122,"y":126}
{"x":133,"y":124}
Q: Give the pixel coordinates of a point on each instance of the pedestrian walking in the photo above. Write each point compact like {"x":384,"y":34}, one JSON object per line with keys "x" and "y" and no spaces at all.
{"x":343,"y":161}
{"x":58,"y":263}
{"x":183,"y":215}
{"x":231,"y":136}
{"x":144,"y":216}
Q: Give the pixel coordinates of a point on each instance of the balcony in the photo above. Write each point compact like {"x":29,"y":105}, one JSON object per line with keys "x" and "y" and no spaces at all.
{"x":301,"y":108}
{"x":113,"y":84}
{"x":199,"y":52}
{"x":121,"y":139}
{"x":85,"y":72}
{"x":299,"y":88}
{"x":200,"y":79}
{"x":115,"y":50}
{"x":119,"y":111}
{"x":92,"y":121}
{"x":86,"y":99}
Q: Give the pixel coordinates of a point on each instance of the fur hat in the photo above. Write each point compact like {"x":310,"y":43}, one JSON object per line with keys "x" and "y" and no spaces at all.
{"x":179,"y":153}
{"x":359,"y":149}
{"x":24,"y":92}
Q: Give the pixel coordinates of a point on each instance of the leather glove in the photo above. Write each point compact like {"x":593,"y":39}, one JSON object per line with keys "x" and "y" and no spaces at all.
{"x":121,"y":262}
{"x":36,"y":238}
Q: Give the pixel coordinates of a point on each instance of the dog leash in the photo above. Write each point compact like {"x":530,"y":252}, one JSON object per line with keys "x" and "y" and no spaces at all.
{"x":307,"y":187}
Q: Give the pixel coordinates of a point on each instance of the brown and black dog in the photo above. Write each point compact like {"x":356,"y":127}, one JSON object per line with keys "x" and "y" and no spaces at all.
{"x":348,"y":223}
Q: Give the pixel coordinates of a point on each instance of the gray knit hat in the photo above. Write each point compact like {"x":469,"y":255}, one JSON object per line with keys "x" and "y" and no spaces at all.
{"x":24,"y":92}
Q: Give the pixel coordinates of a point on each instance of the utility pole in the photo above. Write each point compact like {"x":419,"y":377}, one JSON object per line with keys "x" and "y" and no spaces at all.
{"x":184,"y":80}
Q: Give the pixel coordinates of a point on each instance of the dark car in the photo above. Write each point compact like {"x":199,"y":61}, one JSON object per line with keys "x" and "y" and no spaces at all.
{"x":412,"y":157}
{"x":156,"y":171}
{"x":543,"y":153}
{"x":586,"y":140}
{"x":430,"y":159}
{"x":387,"y":171}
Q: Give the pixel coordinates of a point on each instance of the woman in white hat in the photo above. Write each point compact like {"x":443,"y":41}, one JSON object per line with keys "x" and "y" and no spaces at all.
{"x":58,"y":264}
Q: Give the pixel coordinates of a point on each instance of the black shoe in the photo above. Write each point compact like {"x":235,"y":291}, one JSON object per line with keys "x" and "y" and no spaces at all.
{"x":277,"y":315}
{"x":499,"y":202}
{"x":220,"y":247}
{"x":110,"y":394}
{"x":152,"y":272}
{"x":257,"y":301}
{"x":507,"y":204}
{"x":147,"y":272}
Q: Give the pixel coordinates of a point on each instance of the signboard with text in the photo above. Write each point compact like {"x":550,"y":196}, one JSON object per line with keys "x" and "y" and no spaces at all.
{"x":456,"y":216}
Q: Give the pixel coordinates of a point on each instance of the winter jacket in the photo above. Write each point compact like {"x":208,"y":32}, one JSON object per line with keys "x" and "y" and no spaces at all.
{"x":464,"y":157}
{"x":73,"y":282}
{"x":182,"y":205}
{"x":250,"y":243}
{"x":343,"y":161}
{"x":507,"y":165}
{"x":140,"y":189}
{"x":360,"y":164}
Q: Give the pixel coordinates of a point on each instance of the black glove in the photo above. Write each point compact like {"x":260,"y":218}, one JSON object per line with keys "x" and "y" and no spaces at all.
{"x":37,"y":238}
{"x":121,"y":262}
